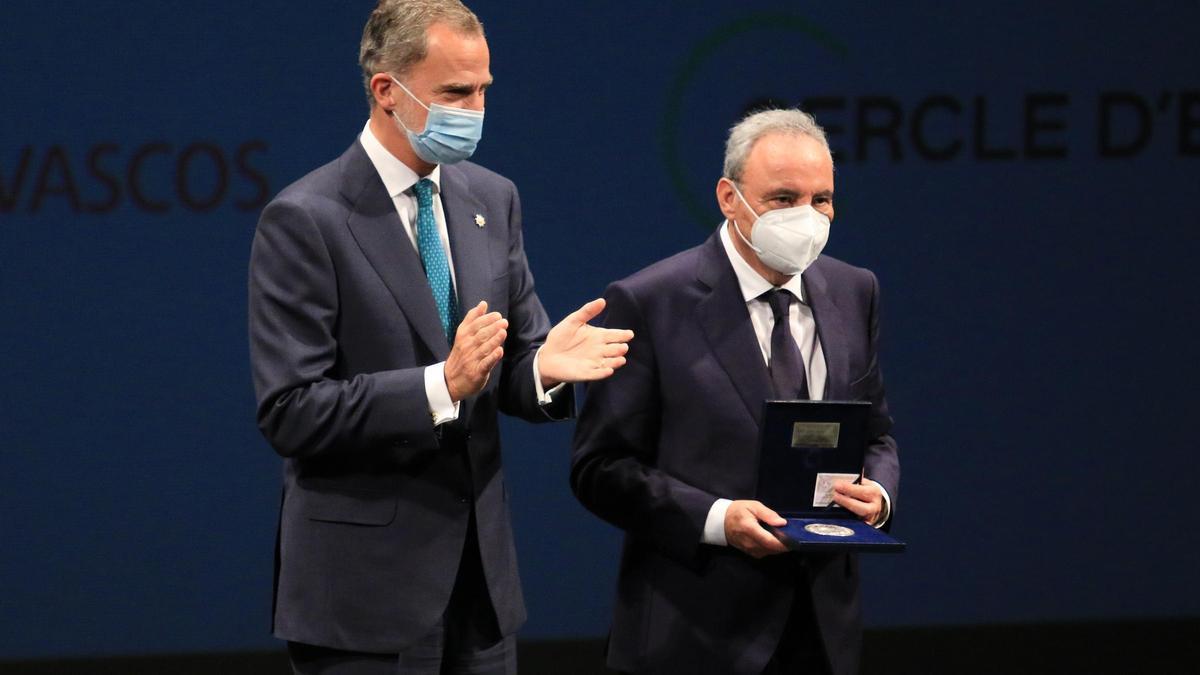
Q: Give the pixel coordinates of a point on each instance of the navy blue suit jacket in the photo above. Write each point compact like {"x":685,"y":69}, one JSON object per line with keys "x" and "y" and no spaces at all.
{"x":375,"y":500}
{"x":677,"y":428}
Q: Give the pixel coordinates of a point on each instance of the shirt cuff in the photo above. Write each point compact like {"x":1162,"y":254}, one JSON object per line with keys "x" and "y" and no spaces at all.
{"x":441,"y":408}
{"x":714,"y":525}
{"x":887,"y":506}
{"x":543,"y":397}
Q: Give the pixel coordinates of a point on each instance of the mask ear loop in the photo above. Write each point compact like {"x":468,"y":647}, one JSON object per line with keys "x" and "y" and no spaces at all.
{"x":410,"y":94}
{"x":733,"y":221}
{"x":394,"y":114}
{"x":743,"y":198}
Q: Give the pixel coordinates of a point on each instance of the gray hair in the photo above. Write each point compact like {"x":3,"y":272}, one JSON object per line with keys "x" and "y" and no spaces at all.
{"x":746,"y":133}
{"x":394,"y":39}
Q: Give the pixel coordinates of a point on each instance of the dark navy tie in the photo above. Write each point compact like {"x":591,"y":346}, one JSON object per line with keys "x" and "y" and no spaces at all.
{"x":433,"y":258}
{"x":787,"y":365}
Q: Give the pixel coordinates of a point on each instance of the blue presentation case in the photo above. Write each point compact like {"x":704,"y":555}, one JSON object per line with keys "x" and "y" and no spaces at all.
{"x":801,"y":440}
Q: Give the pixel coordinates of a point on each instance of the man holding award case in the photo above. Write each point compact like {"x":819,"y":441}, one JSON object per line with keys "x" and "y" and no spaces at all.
{"x":808,"y":448}
{"x":742,"y":342}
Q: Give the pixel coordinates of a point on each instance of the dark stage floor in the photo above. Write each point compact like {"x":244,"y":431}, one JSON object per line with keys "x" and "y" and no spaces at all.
{"x":1125,"y":648}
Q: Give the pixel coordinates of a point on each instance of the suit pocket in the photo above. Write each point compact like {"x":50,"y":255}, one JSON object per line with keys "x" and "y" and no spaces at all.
{"x":858,"y":389}
{"x":354,"y":507}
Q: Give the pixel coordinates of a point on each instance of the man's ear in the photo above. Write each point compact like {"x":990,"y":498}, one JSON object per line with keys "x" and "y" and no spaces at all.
{"x":383,"y":90}
{"x":726,"y":199}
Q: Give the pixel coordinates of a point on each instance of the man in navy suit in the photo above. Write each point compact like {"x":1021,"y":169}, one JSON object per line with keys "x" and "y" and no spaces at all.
{"x":392,"y":316}
{"x":666,"y":448}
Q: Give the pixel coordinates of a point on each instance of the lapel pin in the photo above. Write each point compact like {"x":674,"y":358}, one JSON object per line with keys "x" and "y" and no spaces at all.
{"x":480,"y":220}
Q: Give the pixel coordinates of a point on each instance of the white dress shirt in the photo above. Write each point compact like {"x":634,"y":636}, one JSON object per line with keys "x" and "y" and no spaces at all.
{"x":804,"y":331}
{"x":399,"y":180}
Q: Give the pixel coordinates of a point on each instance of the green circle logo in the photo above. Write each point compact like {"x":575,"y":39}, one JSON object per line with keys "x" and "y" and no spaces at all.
{"x":698,"y":208}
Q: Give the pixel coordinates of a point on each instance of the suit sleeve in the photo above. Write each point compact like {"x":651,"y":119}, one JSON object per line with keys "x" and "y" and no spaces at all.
{"x":528,"y":325}
{"x":613,"y":466}
{"x":303,"y":409}
{"x":881,"y":463}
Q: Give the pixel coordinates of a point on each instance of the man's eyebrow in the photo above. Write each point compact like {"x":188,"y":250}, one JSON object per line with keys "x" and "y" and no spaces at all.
{"x":455,"y":88}
{"x":460,"y":87}
{"x":780,"y":192}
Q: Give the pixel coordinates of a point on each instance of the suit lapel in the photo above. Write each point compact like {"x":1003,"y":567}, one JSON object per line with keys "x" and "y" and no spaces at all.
{"x":725,"y":322}
{"x":468,"y":240}
{"x":830,"y":331}
{"x":376,"y":227}
{"x":468,"y":248}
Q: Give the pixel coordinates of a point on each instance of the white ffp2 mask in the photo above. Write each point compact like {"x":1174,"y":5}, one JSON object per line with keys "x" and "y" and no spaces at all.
{"x":786,"y":240}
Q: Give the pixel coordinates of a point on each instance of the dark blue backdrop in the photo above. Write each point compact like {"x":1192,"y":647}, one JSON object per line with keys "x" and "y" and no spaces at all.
{"x":1020,"y":176}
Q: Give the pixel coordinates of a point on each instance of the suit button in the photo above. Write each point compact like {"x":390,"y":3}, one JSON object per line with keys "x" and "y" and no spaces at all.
{"x":463,"y":500}
{"x":399,"y":444}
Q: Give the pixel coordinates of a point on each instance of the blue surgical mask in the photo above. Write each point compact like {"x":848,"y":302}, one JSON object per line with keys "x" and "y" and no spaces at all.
{"x":450,"y":134}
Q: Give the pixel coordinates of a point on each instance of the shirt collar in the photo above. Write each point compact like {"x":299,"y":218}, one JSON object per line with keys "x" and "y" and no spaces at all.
{"x":397,"y":177}
{"x":751,"y":282}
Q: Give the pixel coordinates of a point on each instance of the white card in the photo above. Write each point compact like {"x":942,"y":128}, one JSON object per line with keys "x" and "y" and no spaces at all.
{"x":823,"y":491}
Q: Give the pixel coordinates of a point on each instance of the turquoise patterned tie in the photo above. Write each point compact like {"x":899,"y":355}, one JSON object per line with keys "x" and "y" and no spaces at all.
{"x":433,"y":257}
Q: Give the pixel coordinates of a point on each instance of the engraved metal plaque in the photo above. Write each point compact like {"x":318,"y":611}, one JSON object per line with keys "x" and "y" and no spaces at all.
{"x":828,"y":530}
{"x":815,"y":434}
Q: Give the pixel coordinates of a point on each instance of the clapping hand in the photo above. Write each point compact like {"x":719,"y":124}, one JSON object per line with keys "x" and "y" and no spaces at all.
{"x":478,"y":347}
{"x":576,"y":351}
